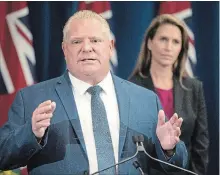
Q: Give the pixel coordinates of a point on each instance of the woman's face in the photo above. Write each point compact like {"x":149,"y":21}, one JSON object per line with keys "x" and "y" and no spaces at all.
{"x":166,"y":45}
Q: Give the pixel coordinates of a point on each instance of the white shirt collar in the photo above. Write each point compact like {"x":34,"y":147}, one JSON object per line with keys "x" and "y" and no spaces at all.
{"x":81,"y":86}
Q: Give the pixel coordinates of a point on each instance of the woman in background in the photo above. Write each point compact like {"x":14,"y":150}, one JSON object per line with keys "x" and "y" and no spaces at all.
{"x":161,"y":68}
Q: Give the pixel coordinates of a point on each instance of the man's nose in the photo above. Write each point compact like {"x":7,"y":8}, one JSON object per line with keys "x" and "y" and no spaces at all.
{"x":86,"y":47}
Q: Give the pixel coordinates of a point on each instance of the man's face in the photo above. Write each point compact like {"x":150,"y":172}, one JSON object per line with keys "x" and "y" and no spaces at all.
{"x":87,"y":49}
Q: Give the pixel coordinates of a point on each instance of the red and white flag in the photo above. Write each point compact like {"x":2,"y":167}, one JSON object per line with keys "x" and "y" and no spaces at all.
{"x":17,"y":58}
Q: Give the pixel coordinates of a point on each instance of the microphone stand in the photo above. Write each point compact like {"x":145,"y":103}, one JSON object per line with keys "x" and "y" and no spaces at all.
{"x":141,"y":148}
{"x":125,"y":160}
{"x":138,"y":140}
{"x":137,"y":166}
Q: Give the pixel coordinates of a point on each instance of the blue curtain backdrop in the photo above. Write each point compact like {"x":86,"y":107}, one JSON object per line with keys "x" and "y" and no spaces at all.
{"x":130,"y":19}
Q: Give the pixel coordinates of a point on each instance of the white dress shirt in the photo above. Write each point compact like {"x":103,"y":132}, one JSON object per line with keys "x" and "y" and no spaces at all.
{"x":83,"y":104}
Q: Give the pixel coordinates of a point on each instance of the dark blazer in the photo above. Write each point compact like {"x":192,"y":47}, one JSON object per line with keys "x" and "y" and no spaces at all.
{"x":190,"y":105}
{"x":63,"y":150}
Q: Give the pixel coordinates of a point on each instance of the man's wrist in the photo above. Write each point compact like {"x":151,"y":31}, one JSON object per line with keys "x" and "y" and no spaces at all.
{"x":169,"y":153}
{"x":39,"y":140}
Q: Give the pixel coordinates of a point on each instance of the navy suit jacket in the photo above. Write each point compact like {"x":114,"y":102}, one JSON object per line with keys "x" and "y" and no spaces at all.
{"x":63,"y":150}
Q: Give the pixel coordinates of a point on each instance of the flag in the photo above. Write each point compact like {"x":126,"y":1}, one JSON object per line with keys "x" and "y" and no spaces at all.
{"x":183,"y":11}
{"x":17,"y":58}
{"x":103,"y":8}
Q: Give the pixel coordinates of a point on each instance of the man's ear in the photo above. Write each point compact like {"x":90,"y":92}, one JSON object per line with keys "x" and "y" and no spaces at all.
{"x":64,"y":48}
{"x":112,"y":46}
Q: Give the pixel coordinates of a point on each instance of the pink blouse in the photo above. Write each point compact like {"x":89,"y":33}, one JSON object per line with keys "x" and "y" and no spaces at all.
{"x":166,"y":99}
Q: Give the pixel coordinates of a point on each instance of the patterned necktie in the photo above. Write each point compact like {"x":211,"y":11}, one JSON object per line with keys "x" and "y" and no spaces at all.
{"x":103,"y":141}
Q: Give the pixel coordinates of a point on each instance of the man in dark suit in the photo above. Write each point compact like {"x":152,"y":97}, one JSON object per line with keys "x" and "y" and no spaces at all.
{"x":84,"y":121}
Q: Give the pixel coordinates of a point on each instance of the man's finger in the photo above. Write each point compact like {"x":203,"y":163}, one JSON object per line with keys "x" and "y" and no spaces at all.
{"x":44,"y":116}
{"x":173,"y":119}
{"x":177,"y":139}
{"x":53,"y":105}
{"x":48,"y":102}
{"x":43,"y":124}
{"x":178,"y":122}
{"x":161,"y":118}
{"x":44,"y":109}
{"x":177,"y":131}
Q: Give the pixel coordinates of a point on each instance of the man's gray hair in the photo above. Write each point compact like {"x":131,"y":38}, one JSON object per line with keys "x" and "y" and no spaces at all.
{"x":86,"y":14}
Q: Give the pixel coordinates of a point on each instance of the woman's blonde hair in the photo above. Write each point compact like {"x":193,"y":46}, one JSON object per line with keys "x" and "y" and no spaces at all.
{"x":142,"y":67}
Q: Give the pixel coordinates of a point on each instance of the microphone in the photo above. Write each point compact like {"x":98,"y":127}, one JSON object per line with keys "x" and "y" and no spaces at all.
{"x":140,"y":139}
{"x":135,"y":140}
{"x":137,"y":166}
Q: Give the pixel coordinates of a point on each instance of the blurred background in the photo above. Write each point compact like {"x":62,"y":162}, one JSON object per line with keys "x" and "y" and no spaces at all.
{"x":31,"y":37}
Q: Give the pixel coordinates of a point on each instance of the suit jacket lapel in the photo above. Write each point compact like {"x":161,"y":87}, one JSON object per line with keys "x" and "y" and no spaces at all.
{"x":178,"y":96}
{"x":123,"y":106}
{"x":64,"y":91}
{"x":148,"y":83}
